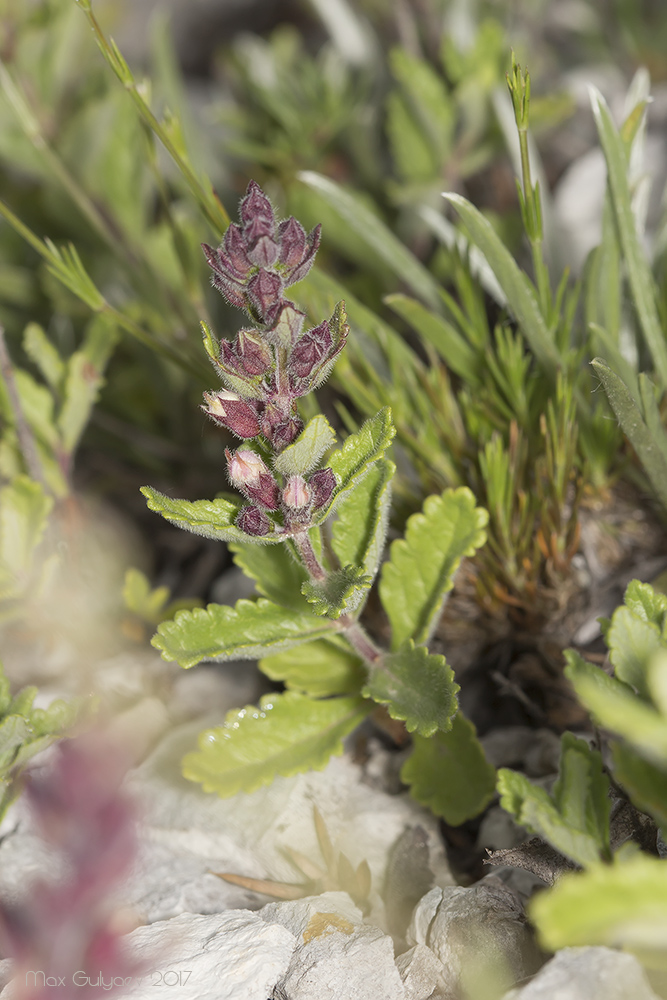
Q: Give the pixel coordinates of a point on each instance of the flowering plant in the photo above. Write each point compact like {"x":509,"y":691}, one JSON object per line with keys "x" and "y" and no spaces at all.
{"x":331,"y":518}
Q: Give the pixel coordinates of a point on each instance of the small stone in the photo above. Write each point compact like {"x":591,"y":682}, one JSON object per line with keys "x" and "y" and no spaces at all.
{"x":588,"y":974}
{"x":421,"y":972}
{"x":301,"y":916}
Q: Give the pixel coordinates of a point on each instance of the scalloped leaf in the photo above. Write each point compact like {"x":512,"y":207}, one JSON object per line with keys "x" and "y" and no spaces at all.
{"x":575,"y":818}
{"x":303,"y":455}
{"x":340,"y":593}
{"x":287,"y":734}
{"x":245,"y":632}
{"x":421,"y":566}
{"x":319,"y":669}
{"x":449,"y":773}
{"x":353,"y":461}
{"x":645,"y":783}
{"x":360,"y":529}
{"x":275,"y":571}
{"x":417,"y":687}
{"x":620,"y":905}
{"x":210,"y":518}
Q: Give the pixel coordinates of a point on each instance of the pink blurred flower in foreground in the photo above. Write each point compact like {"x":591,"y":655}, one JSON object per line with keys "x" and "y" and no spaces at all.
{"x":62,"y":932}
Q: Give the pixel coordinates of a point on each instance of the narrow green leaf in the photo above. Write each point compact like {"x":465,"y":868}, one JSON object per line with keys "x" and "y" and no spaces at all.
{"x":616,"y":707}
{"x":82,"y":386}
{"x":276,"y":572}
{"x":521,"y":296}
{"x":24,"y":511}
{"x":623,"y":905}
{"x":210,"y":518}
{"x":632,"y":421}
{"x":448,"y":342}
{"x":340,"y":593}
{"x":421,"y":567}
{"x":352,"y":462}
{"x":319,"y":669}
{"x":645,"y":783}
{"x":14,"y":731}
{"x":639,"y":272}
{"x":304,"y":454}
{"x":287,"y":734}
{"x":359,"y":531}
{"x":42,"y":353}
{"x":417,"y":687}
{"x":245,"y":632}
{"x":449,"y":773}
{"x":368,"y":227}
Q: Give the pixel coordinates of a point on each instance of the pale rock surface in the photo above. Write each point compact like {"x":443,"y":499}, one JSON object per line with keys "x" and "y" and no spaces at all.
{"x":422,"y":974}
{"x":587,"y":974}
{"x":478,"y":931}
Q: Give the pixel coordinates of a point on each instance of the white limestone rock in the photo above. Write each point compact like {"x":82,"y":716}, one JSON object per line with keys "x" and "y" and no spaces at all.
{"x":587,"y":974}
{"x":421,"y":972}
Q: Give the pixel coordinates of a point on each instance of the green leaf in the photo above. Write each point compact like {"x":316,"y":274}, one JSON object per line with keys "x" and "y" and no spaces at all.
{"x":632,"y":642}
{"x":44,"y":355}
{"x":287,"y":734}
{"x":615,"y":706}
{"x":639,"y":272}
{"x":37,"y":406}
{"x":319,"y":669}
{"x":341,"y":592}
{"x":521,"y":296}
{"x":623,"y":906}
{"x":276,"y":572}
{"x":82,"y":387}
{"x":646,"y":603}
{"x":210,"y":518}
{"x":14,"y":731}
{"x":417,"y":687}
{"x":449,"y":773}
{"x":245,"y":632}
{"x":369,"y":228}
{"x":141,"y":599}
{"x":575,"y":820}
{"x":24,"y":511}
{"x":353,"y":461}
{"x":421,"y":567}
{"x":448,"y":342}
{"x":645,"y":783}
{"x":360,"y":528}
{"x":304,"y":454}
{"x":631,"y":419}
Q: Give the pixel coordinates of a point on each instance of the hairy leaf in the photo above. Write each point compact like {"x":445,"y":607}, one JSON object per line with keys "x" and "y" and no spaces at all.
{"x":645,"y":783}
{"x":43,"y":354}
{"x":82,"y":387}
{"x":615,"y":706}
{"x":449,"y":773}
{"x":421,"y":567}
{"x":646,"y":603}
{"x":288,"y":733}
{"x":632,"y":642}
{"x":210,"y":518}
{"x":247,"y":631}
{"x":353,"y":461}
{"x":277,"y":574}
{"x":575,"y":820}
{"x":319,"y":669}
{"x":360,"y":529}
{"x":622,"y":905}
{"x":417,"y":687}
{"x":340,"y":593}
{"x":304,"y":454}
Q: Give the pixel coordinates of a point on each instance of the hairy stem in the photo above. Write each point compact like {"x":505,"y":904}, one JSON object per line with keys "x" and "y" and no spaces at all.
{"x":360,"y":640}
{"x":307,"y":553}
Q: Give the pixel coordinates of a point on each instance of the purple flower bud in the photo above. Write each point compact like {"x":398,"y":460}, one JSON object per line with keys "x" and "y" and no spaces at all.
{"x":236,"y":250}
{"x":256,"y":215}
{"x":296,"y":494}
{"x":238,"y":415}
{"x":254,"y":354}
{"x":292,"y":238}
{"x":301,"y":270}
{"x":310,"y":350}
{"x":265,"y":291}
{"x":253,"y":521}
{"x":249,"y":474}
{"x":265,"y":252}
{"x":285,"y":432}
{"x":322,"y":484}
